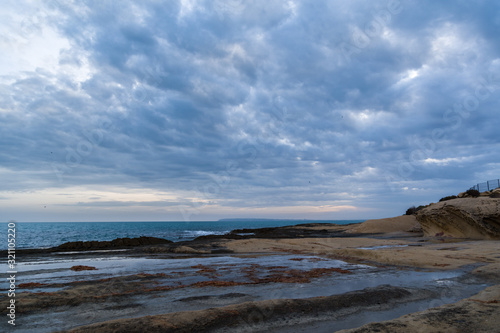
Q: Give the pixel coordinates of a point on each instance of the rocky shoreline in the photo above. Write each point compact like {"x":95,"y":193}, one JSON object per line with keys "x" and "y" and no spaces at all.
{"x":221,"y":281}
{"x":270,"y":313}
{"x":307,"y":230}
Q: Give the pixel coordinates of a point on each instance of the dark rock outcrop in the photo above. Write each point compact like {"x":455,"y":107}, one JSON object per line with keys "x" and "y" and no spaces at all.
{"x":114,"y":244}
{"x":475,"y":218}
{"x":306,"y":230}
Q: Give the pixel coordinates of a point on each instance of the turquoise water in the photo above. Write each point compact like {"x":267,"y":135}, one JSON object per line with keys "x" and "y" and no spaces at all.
{"x":48,"y":234}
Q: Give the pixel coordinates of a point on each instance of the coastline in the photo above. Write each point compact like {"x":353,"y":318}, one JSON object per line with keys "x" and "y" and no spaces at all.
{"x":234,"y":271}
{"x":36,"y":235}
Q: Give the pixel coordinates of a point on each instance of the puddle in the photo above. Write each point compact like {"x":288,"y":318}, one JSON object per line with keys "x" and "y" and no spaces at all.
{"x":221,"y":268}
{"x":58,"y":270}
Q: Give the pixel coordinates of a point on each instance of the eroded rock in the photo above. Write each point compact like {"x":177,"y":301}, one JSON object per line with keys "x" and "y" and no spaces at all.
{"x":267,"y":313}
{"x":476,"y":218}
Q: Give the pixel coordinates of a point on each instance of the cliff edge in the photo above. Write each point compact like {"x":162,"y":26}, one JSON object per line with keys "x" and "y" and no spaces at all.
{"x":475,"y":218}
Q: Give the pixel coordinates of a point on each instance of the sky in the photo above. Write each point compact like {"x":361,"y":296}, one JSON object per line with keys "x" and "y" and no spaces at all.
{"x":200,"y":110}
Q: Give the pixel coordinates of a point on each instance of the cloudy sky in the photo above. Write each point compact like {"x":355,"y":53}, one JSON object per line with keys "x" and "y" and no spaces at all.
{"x":190,"y":110}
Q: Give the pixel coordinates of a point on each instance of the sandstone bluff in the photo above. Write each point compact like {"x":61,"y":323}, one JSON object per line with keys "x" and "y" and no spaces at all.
{"x":474,"y":218}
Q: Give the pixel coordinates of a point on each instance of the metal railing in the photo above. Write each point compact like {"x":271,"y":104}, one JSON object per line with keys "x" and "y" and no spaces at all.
{"x":487,"y":186}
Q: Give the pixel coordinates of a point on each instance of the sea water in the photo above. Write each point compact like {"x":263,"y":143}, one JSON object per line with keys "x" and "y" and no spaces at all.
{"x":49,"y":234}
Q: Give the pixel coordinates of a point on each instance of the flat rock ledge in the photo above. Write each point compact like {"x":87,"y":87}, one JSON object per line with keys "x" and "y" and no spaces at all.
{"x":263,"y":314}
{"x":474,"y":218}
{"x":478,"y":314}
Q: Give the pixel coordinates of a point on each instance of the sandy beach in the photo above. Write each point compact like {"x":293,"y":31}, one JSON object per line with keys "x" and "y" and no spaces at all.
{"x":290,"y":279}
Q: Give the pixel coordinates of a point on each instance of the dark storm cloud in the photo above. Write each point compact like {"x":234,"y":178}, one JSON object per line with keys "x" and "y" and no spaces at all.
{"x":294,"y":103}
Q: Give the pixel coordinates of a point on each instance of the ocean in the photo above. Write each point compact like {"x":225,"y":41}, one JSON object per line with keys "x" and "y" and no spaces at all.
{"x":49,"y":234}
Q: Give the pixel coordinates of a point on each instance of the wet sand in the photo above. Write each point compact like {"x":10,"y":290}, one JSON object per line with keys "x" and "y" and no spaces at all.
{"x":322,"y":277}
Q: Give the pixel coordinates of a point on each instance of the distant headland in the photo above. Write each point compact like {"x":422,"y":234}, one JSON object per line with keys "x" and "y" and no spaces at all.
{"x":258,"y":219}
